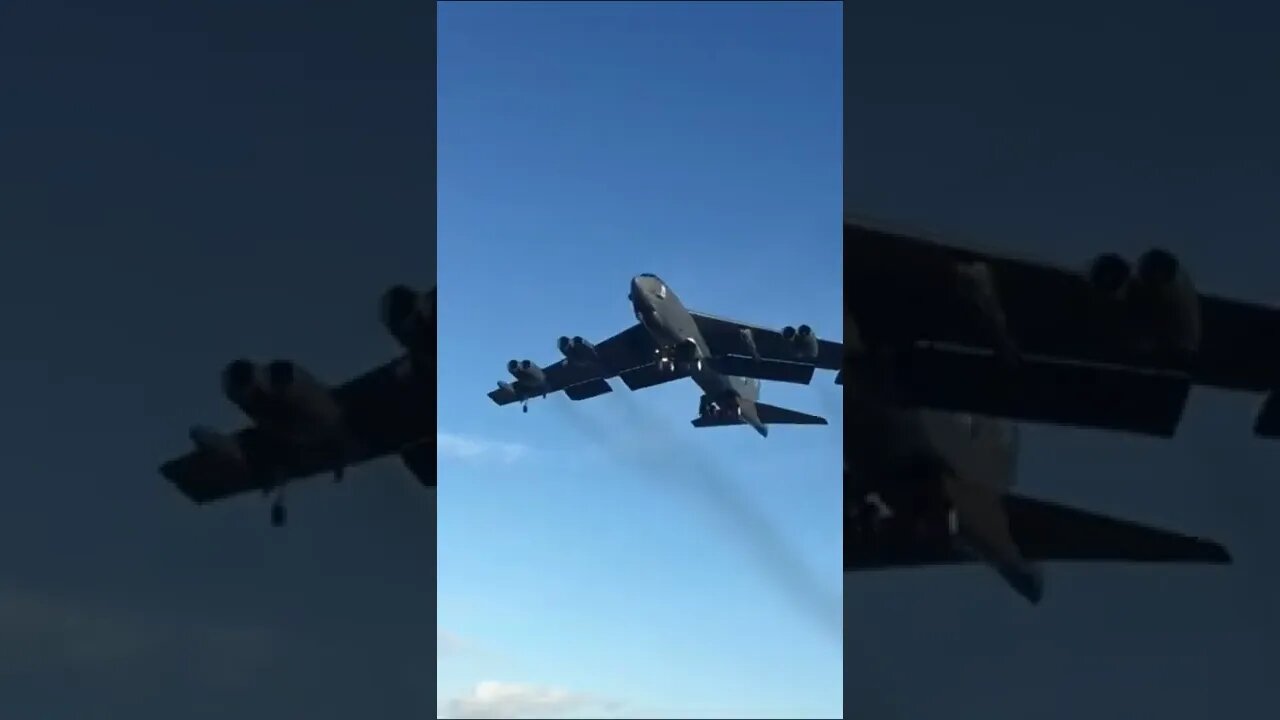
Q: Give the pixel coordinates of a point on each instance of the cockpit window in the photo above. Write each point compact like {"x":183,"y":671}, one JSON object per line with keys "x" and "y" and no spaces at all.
{"x":662,"y":291}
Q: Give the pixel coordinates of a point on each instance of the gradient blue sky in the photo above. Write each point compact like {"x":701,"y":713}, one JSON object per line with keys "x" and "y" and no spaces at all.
{"x":1060,"y":131}
{"x":607,"y":548}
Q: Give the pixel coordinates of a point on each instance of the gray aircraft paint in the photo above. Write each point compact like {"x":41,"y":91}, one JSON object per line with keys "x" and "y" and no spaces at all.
{"x":660,"y":311}
{"x":980,"y":457}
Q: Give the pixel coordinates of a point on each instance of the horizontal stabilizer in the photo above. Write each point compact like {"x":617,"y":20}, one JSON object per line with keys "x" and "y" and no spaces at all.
{"x":420,"y":459}
{"x":771,"y":370}
{"x":1047,"y":532}
{"x":1043,"y":390}
{"x":769,"y":415}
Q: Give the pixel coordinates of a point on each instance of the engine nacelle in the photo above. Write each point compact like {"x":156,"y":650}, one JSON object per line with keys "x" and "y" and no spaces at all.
{"x":1166,"y":303}
{"x":410,"y":316}
{"x":308,"y":406}
{"x":804,"y":344}
{"x":1110,"y":274}
{"x":577,"y":350}
{"x":244,"y":384}
{"x":526,"y":372}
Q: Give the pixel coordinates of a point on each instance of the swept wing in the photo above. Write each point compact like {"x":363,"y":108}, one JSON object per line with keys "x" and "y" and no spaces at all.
{"x":385,"y":411}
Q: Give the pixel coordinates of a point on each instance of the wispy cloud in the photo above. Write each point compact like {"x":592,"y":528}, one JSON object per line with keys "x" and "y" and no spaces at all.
{"x":449,"y":644}
{"x":475,"y":449}
{"x":497,"y":699}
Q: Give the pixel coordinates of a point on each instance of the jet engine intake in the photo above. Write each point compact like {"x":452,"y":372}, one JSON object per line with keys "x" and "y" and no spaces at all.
{"x":1166,"y":304}
{"x":577,"y":350}
{"x":1110,"y":274}
{"x":308,"y":405}
{"x":804,"y":344}
{"x":526,"y":372}
{"x":244,"y":385}
{"x":410,"y":316}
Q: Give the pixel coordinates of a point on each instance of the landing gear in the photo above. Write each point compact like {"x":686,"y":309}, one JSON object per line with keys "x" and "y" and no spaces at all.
{"x":910,"y":516}
{"x":524,"y":407}
{"x":666,"y":364}
{"x":278,"y":514}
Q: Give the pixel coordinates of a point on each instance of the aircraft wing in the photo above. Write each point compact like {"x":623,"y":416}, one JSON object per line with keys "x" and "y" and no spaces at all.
{"x":1047,"y":531}
{"x":387,"y":411}
{"x":628,"y":350}
{"x":900,"y":286}
{"x":726,"y":337}
{"x":577,"y":382}
{"x":1041,"y":389}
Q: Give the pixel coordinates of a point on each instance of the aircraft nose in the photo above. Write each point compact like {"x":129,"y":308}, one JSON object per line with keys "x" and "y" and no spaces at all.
{"x":637,"y":292}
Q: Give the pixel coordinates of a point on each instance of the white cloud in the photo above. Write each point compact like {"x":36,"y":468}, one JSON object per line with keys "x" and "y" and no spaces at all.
{"x":466,"y":447}
{"x":496,"y":699}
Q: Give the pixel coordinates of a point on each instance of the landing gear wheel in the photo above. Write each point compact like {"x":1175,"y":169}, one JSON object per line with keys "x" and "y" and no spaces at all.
{"x":524,"y":408}
{"x":278,"y":515}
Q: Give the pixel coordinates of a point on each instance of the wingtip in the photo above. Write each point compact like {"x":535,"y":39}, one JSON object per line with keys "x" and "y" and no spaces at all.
{"x":166,"y":470}
{"x":1219,"y":555}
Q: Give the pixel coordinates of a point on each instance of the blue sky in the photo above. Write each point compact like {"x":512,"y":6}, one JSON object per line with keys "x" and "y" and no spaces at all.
{"x":1058,"y":133}
{"x":607,"y":549}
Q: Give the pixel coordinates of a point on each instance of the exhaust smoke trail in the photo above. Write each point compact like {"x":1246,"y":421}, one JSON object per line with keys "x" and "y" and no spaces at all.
{"x":649,"y":446}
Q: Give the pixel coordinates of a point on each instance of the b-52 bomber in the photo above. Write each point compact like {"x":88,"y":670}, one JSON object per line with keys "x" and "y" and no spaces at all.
{"x":934,"y":333}
{"x":301,"y":427}
{"x":727,"y":360}
{"x":1116,"y":346}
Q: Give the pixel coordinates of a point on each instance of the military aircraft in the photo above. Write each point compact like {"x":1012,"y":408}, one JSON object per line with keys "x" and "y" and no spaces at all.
{"x":727,"y":359}
{"x":301,"y":427}
{"x":1114,"y":347}
{"x":935,"y":488}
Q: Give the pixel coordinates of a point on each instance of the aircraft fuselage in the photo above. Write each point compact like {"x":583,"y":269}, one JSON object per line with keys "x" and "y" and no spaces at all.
{"x":947,"y":472}
{"x":660,"y":311}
